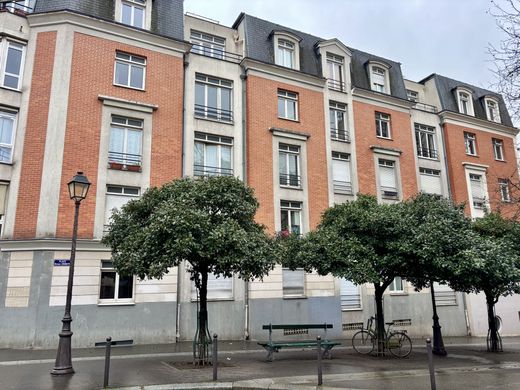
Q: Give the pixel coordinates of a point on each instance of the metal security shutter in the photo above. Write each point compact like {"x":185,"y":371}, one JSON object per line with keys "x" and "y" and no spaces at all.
{"x":341,"y":170}
{"x":218,"y":288}
{"x":431,"y":184}
{"x":387,"y":177}
{"x":444,"y":295}
{"x":350,"y":296}
{"x":477,"y":190}
{"x":293,"y":282}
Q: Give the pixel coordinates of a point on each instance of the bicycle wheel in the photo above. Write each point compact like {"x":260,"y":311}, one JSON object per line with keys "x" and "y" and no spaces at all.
{"x":399,"y":344}
{"x":363,"y":342}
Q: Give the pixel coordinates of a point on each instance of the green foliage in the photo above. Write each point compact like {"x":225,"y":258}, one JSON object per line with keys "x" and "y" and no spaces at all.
{"x":209,"y":222}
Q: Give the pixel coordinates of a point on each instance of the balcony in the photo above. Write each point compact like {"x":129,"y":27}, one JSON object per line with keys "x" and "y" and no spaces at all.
{"x":336,"y":85}
{"x":425,"y":107}
{"x":20,"y":7}
{"x":342,"y":187}
{"x":214,"y":52}
{"x":339,"y":135}
{"x":207,"y":170}
{"x":124,"y":161}
{"x":288,"y":180}
{"x":428,"y":153}
{"x":213,"y":113}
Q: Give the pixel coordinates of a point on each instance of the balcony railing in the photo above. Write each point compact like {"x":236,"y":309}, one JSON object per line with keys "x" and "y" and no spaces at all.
{"x":389,"y":192}
{"x":214,"y":113}
{"x":342,"y":187}
{"x":340,"y":135}
{"x":425,"y":107}
{"x":479,"y":202}
{"x":16,"y":7}
{"x":5,"y":154}
{"x":216,"y":53}
{"x":206,"y":170}
{"x":336,"y":85}
{"x":124,"y":158}
{"x":428,"y":153}
{"x":290,"y":180}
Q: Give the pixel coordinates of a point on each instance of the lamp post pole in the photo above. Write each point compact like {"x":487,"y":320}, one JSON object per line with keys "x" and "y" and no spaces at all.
{"x":78,"y":189}
{"x":438,"y":343}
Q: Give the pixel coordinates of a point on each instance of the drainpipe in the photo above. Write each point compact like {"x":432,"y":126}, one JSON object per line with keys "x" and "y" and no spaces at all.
{"x":243,"y":77}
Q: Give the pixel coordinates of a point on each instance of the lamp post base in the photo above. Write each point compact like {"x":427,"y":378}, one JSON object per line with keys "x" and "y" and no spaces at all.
{"x":63,"y":365}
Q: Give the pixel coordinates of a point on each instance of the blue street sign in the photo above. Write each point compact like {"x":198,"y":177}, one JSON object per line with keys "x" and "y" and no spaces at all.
{"x":61,"y":262}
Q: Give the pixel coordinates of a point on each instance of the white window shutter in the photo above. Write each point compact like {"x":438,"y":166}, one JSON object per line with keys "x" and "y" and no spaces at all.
{"x":218,"y":288}
{"x":350,"y":295}
{"x":431,"y":184}
{"x":477,"y":190}
{"x":387,"y":177}
{"x":341,"y":170}
{"x":293,"y":282}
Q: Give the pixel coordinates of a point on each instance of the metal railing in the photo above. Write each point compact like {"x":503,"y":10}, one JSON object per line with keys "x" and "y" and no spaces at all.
{"x":425,"y":107}
{"x":215,"y":53}
{"x":340,"y":135}
{"x":336,"y":85}
{"x":389,"y":192}
{"x":207,"y":170}
{"x":479,"y":202}
{"x":124,"y":158}
{"x":5,"y":154}
{"x":428,"y":153}
{"x":290,"y":180}
{"x":342,"y":187}
{"x":14,"y":7}
{"x":214,"y":113}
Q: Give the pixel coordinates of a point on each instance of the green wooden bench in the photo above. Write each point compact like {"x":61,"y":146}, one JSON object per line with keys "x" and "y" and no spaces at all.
{"x":274,"y":346}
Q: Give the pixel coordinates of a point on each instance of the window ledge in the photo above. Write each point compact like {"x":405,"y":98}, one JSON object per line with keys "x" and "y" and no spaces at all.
{"x":11,"y":89}
{"x":215,"y":300}
{"x":340,"y":140}
{"x":387,"y":138}
{"x":503,"y":161}
{"x":428,"y":158}
{"x":116,"y":304}
{"x":358,"y":309}
{"x":290,"y":297}
{"x":129,"y":87}
{"x":398,"y":293}
{"x":7,"y":163}
{"x":291,"y":188}
{"x":289,"y":119}
{"x":472,"y":155}
{"x":126,"y":168}
{"x":232,"y":123}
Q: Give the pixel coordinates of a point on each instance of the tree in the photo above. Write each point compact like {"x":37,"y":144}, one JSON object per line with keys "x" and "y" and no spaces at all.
{"x":207,"y":222}
{"x":506,"y":56}
{"x":491,"y":266}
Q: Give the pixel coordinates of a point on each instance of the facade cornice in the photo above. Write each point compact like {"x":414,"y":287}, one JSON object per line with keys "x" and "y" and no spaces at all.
{"x":128,"y":104}
{"x":388,"y":151}
{"x":372,"y":97}
{"x":51,"y":244}
{"x":480,"y":167}
{"x":476,"y":123}
{"x":289,"y":133}
{"x":335,"y":43}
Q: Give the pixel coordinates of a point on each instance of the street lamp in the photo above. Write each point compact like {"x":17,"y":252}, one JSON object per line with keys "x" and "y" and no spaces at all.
{"x":78,"y":189}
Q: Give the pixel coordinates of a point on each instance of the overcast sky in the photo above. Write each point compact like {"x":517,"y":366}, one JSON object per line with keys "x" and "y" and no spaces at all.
{"x":448,"y":37}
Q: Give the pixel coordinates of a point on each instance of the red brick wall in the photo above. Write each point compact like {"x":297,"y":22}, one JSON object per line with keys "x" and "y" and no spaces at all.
{"x":262,"y":114}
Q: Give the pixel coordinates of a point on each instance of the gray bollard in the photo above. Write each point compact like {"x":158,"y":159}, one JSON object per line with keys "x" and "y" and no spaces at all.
{"x":107,"y":361}
{"x":214,"y":356}
{"x":320,"y":373}
{"x":430,"y":364}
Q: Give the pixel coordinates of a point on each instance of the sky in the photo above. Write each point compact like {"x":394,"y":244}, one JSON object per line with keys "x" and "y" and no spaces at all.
{"x":448,"y":37}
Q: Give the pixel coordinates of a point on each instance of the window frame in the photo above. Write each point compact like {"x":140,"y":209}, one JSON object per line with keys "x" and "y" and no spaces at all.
{"x":129,"y":192}
{"x":498,"y":146}
{"x":392,"y":287}
{"x":133,"y":4}
{"x":388,"y":194}
{"x":130,"y":63}
{"x":478,"y":203}
{"x":288,"y":96}
{"x":412,"y":95}
{"x":303,"y":280}
{"x":381,"y":71}
{"x":213,"y":113}
{"x":220,"y":142}
{"x":335,"y":67}
{"x":5,"y":45}
{"x":14,"y":116}
{"x":336,"y":132}
{"x":116,"y":300}
{"x":380,"y":119}
{"x":430,"y":151}
{"x":286,"y":179}
{"x":503,"y":184}
{"x":470,"y":142}
{"x":127,"y":127}
{"x":283,"y":46}
{"x":216,"y":48}
{"x":493,"y":115}
{"x":290,"y":206}
{"x":339,"y":187}
{"x":465,"y":96}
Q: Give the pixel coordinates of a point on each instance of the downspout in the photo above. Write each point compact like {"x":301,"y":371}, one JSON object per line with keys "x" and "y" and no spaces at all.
{"x":243,"y":77}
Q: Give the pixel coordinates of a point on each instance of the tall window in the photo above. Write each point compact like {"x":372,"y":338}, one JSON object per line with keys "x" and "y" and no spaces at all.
{"x":430,"y":180}
{"x":4,"y":186}
{"x":129,"y":70}
{"x":335,"y":66}
{"x":397,"y":285}
{"x":293,"y":283}
{"x":503,"y":185}
{"x":287,"y":105}
{"x":378,"y":79}
{"x":341,"y":179}
{"x":125,"y":141}
{"x":213,"y":155}
{"x":470,"y":141}
{"x":213,"y":98}
{"x":289,"y":165}
{"x":425,"y":139}
{"x":338,"y":121}
{"x":7,"y":127}
{"x":350,"y":295}
{"x":477,"y":191}
{"x":291,"y":216}
{"x":116,"y":197}
{"x":387,"y":179}
{"x":115,"y":288}
{"x":464,"y":103}
{"x":207,"y":45}
{"x":285,"y":53}
{"x":218,"y":288}
{"x":383,"y":125}
{"x":498,"y":149}
{"x":12,"y":55}
{"x":444,"y":295}
{"x":413,"y":96}
{"x":133,"y":12}
{"x":493,"y":113}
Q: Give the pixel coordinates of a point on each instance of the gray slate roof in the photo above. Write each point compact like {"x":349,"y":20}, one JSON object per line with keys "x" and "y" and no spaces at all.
{"x":446,"y":88}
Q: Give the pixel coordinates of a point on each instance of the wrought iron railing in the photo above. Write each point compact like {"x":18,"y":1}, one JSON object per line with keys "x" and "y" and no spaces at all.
{"x":342,"y":187}
{"x":425,"y":107}
{"x":15,"y":7}
{"x":214,"y":113}
{"x":479,"y":202}
{"x":336,"y":85}
{"x":428,"y":153}
{"x":389,"y":192}
{"x":340,"y":135}
{"x":290,"y":180}
{"x":124,"y":158}
{"x":215,"y":53}
{"x":206,"y":170}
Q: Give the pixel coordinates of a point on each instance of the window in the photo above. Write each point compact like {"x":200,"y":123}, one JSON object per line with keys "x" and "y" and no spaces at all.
{"x":129,"y":71}
{"x":125,"y":142}
{"x":285,"y":53}
{"x":213,"y":155}
{"x":477,"y":191}
{"x":498,"y":149}
{"x":503,"y":185}
{"x":465,"y":105}
{"x":207,"y":45}
{"x":133,"y":12}
{"x":341,"y":181}
{"x":350,"y":295}
{"x":378,"y":79}
{"x":413,"y":96}
{"x":12,"y":56}
{"x":289,"y":165}
{"x":287,"y":105}
{"x":114,"y":287}
{"x":470,"y":141}
{"x":425,"y":140}
{"x":117,"y":197}
{"x":335,"y":66}
{"x":387,"y":179}
{"x":382,"y":125}
{"x":218,"y":288}
{"x":338,"y":122}
{"x":493,"y":114}
{"x":397,"y":285}
{"x":430,"y":180}
{"x":7,"y":128}
{"x":444,"y":295}
{"x":213,"y":98}
{"x":293,"y":283}
{"x":290,"y":216}
{"x":4,"y":186}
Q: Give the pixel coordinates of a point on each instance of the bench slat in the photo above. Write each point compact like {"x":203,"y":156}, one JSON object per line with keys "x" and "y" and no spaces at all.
{"x":299,"y":344}
{"x":298,"y":326}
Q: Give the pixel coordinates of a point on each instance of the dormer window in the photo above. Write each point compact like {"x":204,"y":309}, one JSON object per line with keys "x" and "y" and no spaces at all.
{"x":135,"y":13}
{"x":285,"y":53}
{"x":493,"y":114}
{"x":465,"y":102}
{"x":286,"y":49}
{"x":335,"y":68}
{"x":379,"y":77}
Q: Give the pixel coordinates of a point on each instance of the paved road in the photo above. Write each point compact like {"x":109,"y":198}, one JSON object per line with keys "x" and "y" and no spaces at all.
{"x":467,"y":366}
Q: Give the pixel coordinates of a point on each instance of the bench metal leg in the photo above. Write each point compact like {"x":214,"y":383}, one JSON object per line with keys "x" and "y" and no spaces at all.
{"x":327,"y":354}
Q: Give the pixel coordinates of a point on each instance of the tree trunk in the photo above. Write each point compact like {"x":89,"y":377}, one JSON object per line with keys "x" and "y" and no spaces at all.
{"x":380,"y":319}
{"x":202,"y":338}
{"x":493,"y":344}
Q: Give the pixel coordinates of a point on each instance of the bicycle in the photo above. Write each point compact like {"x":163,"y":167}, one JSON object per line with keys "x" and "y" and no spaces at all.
{"x":397,"y":342}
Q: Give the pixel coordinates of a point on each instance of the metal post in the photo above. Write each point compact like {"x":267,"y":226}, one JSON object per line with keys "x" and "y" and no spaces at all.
{"x":430,"y":364}
{"x":214,"y":356}
{"x":63,"y":363}
{"x":320,"y":373}
{"x":107,"y":361}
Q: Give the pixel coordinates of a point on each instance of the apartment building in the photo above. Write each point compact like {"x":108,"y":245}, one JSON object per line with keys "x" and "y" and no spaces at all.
{"x":135,"y":94}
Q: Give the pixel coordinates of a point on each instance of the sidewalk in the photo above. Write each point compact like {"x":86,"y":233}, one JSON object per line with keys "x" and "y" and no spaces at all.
{"x":242,"y":365}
